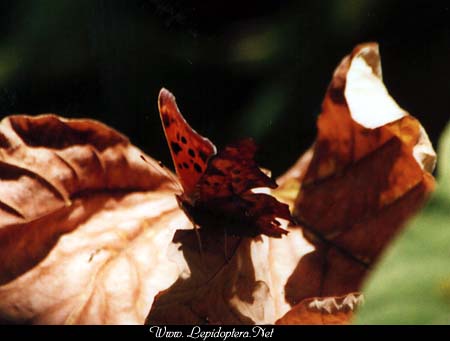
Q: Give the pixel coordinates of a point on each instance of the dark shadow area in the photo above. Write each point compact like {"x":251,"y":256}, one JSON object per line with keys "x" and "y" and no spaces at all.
{"x":239,"y":69}
{"x":222,"y":270}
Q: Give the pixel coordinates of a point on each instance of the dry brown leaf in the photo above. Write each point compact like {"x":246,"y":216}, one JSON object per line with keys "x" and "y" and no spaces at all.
{"x":348,"y":213}
{"x":237,"y":281}
{"x":370,"y":172}
{"x":90,"y":233}
{"x":85,"y":224}
{"x":323,"y":310}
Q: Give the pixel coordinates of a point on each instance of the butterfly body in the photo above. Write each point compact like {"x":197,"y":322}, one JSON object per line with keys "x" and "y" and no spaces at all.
{"x":217,"y":186}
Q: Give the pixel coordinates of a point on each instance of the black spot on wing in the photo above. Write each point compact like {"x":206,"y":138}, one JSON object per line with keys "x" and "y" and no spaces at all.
{"x":215,"y":171}
{"x":197,"y":167}
{"x":175,"y":147}
{"x":166,"y":120}
{"x":191,"y":152}
{"x":183,"y":140}
{"x":203,"y":156}
{"x":185,"y":165}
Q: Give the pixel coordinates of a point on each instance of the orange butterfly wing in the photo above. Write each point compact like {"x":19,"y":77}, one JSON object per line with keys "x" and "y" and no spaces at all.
{"x":217,"y":187}
{"x":190,"y":151}
{"x":233,"y":171}
{"x":226,"y":187}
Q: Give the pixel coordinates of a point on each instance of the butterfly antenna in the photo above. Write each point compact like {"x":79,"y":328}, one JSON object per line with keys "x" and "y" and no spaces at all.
{"x":163,"y":171}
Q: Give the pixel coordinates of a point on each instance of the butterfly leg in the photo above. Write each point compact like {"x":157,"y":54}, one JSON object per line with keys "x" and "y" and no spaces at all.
{"x":199,"y":241}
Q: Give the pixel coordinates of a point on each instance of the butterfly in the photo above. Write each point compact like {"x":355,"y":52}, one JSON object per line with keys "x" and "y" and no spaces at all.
{"x":217,"y":185}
